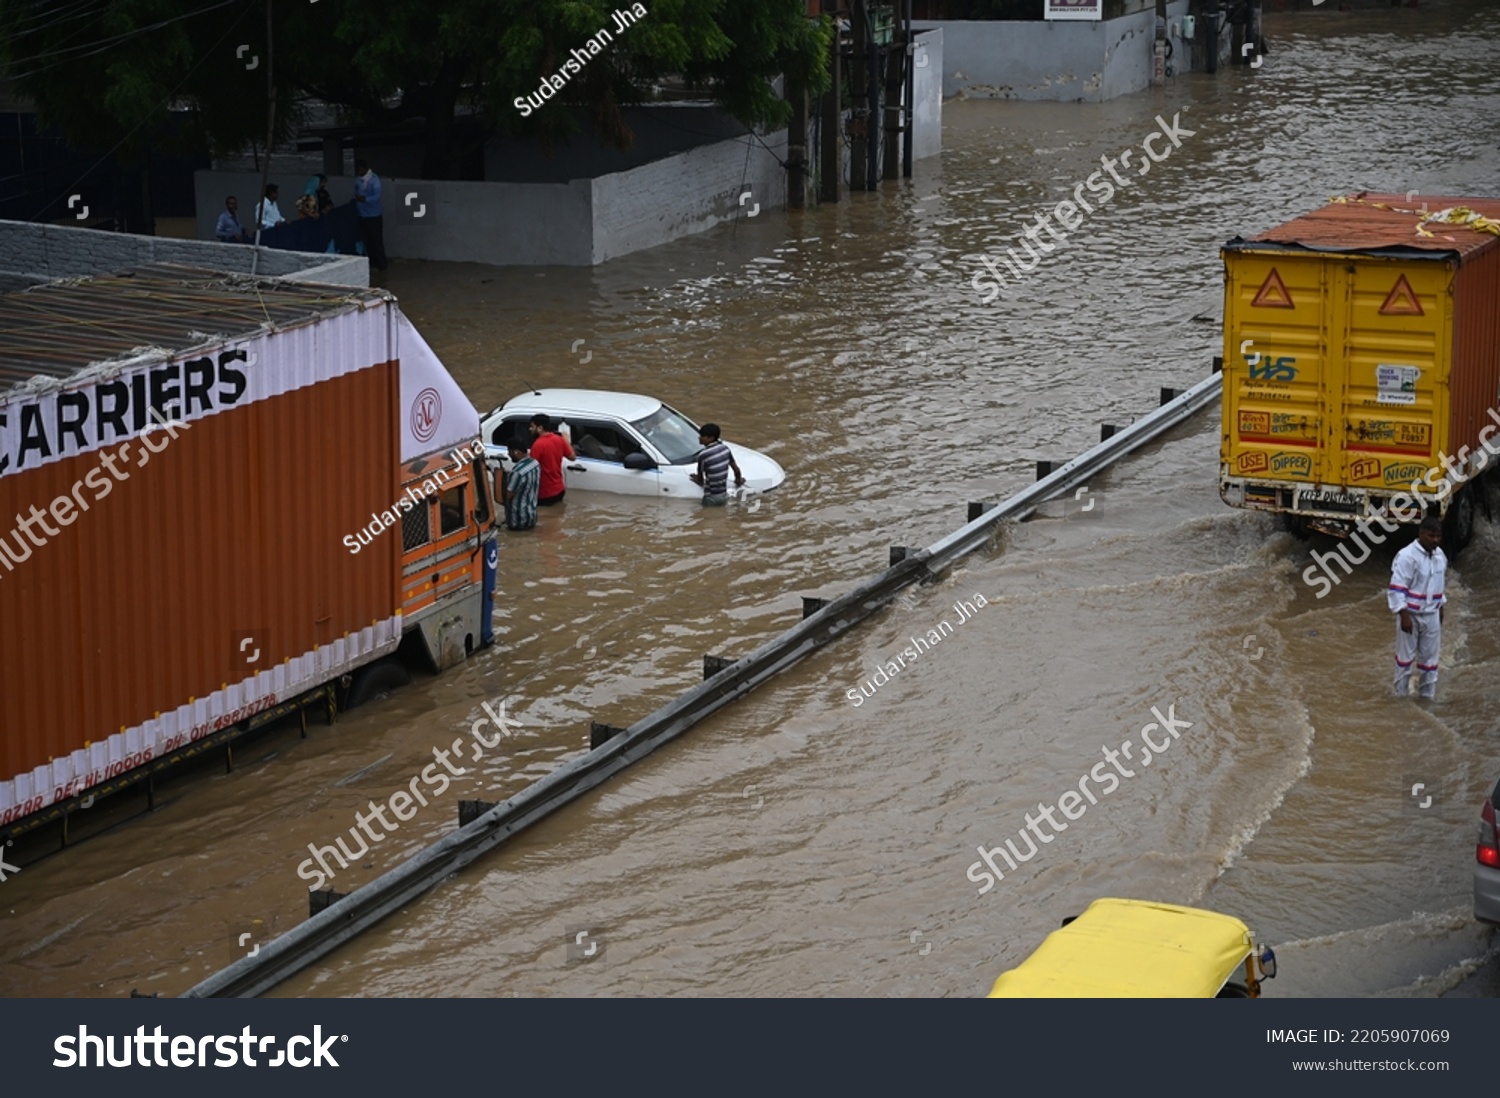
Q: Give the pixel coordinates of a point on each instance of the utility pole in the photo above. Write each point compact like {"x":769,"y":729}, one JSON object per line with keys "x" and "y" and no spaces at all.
{"x":861,"y":82}
{"x":258,"y":209}
{"x":831,"y":154}
{"x":910,"y":40}
{"x":796,"y":152}
{"x":896,"y":63}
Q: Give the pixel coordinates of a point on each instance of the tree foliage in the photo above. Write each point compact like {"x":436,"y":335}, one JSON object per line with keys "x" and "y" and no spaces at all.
{"x":108,"y":71}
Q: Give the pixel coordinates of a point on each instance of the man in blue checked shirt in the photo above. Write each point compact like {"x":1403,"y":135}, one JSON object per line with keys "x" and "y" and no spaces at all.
{"x":229,"y":229}
{"x":519,"y":488}
{"x":714,"y":463}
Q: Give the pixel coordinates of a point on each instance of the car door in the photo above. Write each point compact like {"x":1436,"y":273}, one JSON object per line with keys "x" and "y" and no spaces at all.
{"x":601,"y":447}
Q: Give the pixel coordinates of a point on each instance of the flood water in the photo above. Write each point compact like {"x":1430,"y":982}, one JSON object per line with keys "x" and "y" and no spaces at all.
{"x":798,"y":844}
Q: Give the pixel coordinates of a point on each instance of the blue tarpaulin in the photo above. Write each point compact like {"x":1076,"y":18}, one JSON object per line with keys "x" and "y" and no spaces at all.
{"x":336,"y":231}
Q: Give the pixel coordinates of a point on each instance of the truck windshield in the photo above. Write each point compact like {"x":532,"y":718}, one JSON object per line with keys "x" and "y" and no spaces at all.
{"x":672,"y":433}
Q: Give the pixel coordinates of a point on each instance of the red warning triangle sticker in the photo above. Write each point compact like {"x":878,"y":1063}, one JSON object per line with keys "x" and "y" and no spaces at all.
{"x":1402,"y":300}
{"x":1273,"y":293}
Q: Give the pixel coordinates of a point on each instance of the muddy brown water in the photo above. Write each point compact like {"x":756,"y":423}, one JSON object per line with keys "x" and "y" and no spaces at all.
{"x":798,"y":844}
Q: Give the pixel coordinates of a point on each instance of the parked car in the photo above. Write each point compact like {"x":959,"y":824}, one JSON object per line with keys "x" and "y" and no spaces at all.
{"x":1487,"y":863}
{"x":626,"y":443}
{"x":1123,"y":949}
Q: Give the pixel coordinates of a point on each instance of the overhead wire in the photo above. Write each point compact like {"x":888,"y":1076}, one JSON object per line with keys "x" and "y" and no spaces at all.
{"x":73,"y":53}
{"x":166,"y":101}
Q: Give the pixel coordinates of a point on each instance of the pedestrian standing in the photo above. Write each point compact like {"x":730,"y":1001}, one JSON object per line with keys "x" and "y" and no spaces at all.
{"x":371,"y":214}
{"x":318,"y":188}
{"x":267,"y":213}
{"x":549,"y":448}
{"x":229,"y":229}
{"x":1417,"y":599}
{"x":714,"y":463}
{"x":520,"y":487}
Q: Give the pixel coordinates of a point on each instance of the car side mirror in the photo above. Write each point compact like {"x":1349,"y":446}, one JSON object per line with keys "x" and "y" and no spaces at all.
{"x":639,"y":461}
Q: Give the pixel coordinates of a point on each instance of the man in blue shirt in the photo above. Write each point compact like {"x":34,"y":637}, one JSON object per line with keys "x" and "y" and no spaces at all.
{"x":714,"y":463}
{"x":229,"y":229}
{"x":371,"y":213}
{"x":519,"y":489}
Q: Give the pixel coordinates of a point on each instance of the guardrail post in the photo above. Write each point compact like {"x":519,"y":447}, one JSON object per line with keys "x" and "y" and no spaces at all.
{"x":1044,"y":469}
{"x":322,"y":899}
{"x":469,"y":811}
{"x":976,"y":510}
{"x":1107,"y":431}
{"x":1218,"y":364}
{"x":898,"y":554}
{"x":1169,"y":395}
{"x":712,"y":665}
{"x":811,"y":606}
{"x":601,"y":733}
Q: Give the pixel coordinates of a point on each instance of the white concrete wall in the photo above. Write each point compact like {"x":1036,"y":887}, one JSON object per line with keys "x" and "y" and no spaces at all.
{"x":1062,"y":60}
{"x":30,"y":253}
{"x":505,"y":224}
{"x":498,"y":223}
{"x":688,"y":193}
{"x":927,"y":95}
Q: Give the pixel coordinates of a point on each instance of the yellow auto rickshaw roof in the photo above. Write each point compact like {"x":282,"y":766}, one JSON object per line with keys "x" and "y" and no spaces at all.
{"x":1132,"y":949}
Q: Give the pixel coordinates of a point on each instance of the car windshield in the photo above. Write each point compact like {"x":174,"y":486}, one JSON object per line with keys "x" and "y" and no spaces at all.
{"x":672,"y":433}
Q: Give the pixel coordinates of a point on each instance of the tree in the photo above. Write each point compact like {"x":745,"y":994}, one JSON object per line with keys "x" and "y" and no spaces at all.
{"x":451,"y":69}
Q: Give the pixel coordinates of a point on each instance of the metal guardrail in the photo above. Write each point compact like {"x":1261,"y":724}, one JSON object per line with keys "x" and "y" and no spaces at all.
{"x":354,"y":913}
{"x":1073,"y":474}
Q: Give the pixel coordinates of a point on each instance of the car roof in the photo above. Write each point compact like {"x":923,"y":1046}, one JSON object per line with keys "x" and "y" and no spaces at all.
{"x":595,"y":402}
{"x":1132,"y":948}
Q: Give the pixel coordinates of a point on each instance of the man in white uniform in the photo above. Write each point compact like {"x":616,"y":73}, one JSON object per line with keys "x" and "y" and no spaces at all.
{"x":1416,"y":598}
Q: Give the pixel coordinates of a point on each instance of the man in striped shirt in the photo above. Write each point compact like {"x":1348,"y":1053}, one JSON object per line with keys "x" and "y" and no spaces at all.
{"x":714,"y":463}
{"x":520,"y":487}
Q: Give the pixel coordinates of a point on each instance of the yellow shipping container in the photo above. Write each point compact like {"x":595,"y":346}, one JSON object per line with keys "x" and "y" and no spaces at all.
{"x":1362,"y":361}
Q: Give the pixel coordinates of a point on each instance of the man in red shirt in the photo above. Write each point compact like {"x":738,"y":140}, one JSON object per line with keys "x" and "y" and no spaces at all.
{"x":549,"y":448}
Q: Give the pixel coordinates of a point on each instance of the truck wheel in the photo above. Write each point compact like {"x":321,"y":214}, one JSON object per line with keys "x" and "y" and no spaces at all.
{"x":1458,"y":523}
{"x":380,"y":677}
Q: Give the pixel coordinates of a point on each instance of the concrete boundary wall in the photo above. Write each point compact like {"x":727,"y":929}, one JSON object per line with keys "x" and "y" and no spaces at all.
{"x":31,"y":253}
{"x":1065,"y":61}
{"x":575,"y":224}
{"x":927,"y":95}
{"x":688,"y":193}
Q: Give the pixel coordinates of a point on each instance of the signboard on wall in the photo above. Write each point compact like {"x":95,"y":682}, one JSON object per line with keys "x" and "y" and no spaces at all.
{"x":1075,"y":9}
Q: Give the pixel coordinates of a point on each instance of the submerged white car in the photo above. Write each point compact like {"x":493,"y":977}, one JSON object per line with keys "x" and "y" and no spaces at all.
{"x":626,"y":443}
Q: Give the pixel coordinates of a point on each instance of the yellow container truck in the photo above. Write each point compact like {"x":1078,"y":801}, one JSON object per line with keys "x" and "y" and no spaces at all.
{"x":1362,"y":362}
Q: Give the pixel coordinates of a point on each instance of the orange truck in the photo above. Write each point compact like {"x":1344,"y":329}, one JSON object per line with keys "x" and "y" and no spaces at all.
{"x":1362,"y":362}
{"x":222,"y":500}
